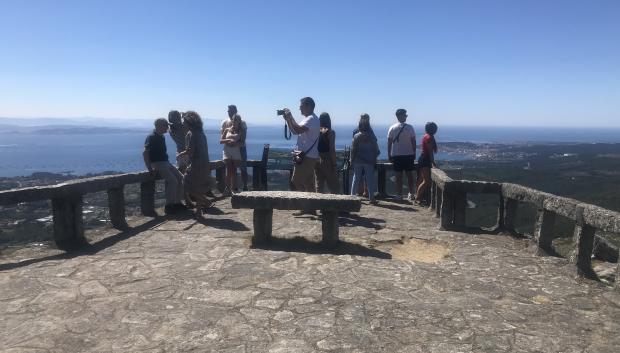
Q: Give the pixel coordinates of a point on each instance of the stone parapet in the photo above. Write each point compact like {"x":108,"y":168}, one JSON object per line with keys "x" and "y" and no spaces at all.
{"x":562,"y":206}
{"x":439,"y":177}
{"x":601,"y":218}
{"x":524,"y":194}
{"x":72,"y":187}
{"x":479,"y":187}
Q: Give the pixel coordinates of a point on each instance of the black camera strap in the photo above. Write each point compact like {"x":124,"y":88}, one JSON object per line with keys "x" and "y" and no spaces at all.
{"x":287,"y":133}
{"x":401,"y":130}
{"x":312,"y":145}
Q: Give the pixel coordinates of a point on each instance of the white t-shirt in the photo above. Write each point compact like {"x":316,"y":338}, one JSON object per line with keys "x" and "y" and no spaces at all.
{"x":306,"y":139}
{"x":403,"y":146}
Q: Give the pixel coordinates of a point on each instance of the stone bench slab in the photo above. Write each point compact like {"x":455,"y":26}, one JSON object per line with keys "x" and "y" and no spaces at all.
{"x":264,"y":202}
{"x":294,"y":200}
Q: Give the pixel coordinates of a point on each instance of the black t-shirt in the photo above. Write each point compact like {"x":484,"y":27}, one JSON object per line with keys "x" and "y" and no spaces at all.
{"x":156,"y":145}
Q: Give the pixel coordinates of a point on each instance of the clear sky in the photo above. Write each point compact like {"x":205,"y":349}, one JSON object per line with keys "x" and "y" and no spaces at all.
{"x":460,"y":62}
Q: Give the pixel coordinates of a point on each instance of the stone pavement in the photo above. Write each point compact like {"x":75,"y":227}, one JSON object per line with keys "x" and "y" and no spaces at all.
{"x":395,"y":284}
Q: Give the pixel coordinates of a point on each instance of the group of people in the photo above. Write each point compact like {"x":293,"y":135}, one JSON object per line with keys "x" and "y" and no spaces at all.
{"x":315,"y":167}
{"x":191,"y":180}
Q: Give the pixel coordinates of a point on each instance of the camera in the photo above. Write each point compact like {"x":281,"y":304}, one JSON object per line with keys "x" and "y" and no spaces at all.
{"x":280,"y":111}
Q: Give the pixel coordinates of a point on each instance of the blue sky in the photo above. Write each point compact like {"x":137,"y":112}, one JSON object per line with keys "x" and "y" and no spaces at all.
{"x":466,"y":62}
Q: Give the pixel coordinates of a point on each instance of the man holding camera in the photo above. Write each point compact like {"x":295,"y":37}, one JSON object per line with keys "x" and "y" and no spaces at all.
{"x":307,"y":153}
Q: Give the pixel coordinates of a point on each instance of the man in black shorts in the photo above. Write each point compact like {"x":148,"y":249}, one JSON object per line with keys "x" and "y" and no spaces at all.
{"x":401,"y":152}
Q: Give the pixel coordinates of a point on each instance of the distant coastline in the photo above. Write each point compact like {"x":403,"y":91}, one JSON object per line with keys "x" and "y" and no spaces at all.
{"x":82,"y":149}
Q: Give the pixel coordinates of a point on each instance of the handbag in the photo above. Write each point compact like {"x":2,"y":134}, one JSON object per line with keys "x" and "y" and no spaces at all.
{"x":298,"y":156}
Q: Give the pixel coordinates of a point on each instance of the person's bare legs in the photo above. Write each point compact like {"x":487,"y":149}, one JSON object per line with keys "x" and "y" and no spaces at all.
{"x":243,"y":167}
{"x":234,"y":183}
{"x":425,"y":174}
{"x":230,"y":173}
{"x":399,"y":184}
{"x":410,"y":182}
{"x":244,"y":177}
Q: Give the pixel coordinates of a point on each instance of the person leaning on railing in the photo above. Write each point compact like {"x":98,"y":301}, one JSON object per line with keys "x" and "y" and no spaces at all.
{"x":156,"y":161}
{"x":426,"y":160}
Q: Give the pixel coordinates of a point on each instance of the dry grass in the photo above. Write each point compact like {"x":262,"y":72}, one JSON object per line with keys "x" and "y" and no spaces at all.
{"x":427,"y":251}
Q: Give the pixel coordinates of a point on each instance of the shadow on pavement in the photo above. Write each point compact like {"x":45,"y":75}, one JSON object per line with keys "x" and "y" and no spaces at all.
{"x":395,"y":206}
{"x":227,"y":224}
{"x":303,"y":245}
{"x":89,"y":249}
{"x":354,"y":220}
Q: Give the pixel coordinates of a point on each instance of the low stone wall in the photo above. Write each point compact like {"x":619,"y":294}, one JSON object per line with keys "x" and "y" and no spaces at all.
{"x":449,"y":198}
{"x":67,"y":198}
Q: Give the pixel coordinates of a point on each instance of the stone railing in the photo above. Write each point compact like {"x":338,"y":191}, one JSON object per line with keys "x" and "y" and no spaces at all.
{"x":382,"y":169}
{"x":67,"y":198}
{"x":449,"y":199}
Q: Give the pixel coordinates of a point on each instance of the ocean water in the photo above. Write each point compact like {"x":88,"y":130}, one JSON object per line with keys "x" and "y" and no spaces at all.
{"x":79,"y":154}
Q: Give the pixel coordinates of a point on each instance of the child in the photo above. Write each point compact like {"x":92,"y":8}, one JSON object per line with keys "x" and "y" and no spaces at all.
{"x":426,"y":160}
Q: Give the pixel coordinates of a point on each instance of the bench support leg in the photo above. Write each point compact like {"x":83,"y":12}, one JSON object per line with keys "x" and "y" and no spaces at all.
{"x":263,"y":220}
{"x":147,"y":198}
{"x":116,"y":207}
{"x":330,"y":227}
{"x":68,"y":223}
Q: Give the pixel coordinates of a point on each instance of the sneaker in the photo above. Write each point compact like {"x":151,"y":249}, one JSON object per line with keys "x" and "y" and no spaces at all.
{"x":305,"y":213}
{"x":410,"y":197}
{"x":170,"y":209}
{"x":397,"y":197}
{"x":181,"y":207}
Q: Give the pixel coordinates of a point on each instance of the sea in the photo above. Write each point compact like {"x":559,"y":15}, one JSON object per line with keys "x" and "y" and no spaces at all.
{"x":80,"y":153}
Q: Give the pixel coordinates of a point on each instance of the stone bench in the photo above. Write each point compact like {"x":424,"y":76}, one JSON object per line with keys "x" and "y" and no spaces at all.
{"x":264,"y":202}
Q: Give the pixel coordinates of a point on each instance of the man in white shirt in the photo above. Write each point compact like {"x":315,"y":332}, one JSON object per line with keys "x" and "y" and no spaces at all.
{"x":401,"y":152}
{"x":307,"y":132}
